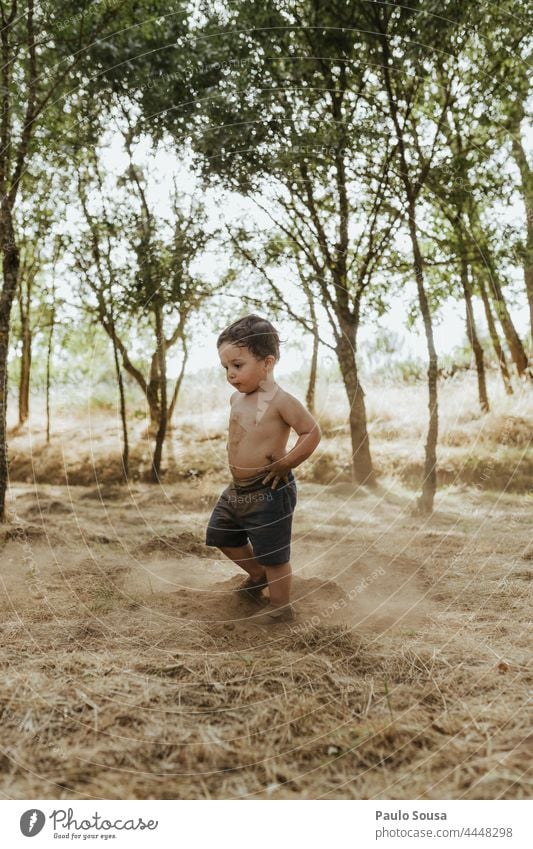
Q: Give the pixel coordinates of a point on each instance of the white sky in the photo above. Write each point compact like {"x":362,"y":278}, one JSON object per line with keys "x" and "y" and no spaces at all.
{"x":449,"y":327}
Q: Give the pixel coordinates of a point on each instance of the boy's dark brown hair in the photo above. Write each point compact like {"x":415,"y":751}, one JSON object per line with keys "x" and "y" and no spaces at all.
{"x":252,"y":332}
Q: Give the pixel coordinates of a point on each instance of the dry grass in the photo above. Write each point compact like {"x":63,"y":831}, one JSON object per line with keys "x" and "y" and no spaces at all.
{"x":127,"y":674}
{"x":493,"y":450}
{"x":131,"y":669}
{"x":490,"y":450}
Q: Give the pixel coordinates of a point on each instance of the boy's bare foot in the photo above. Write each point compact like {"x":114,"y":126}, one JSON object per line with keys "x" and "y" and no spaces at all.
{"x":253,"y":589}
{"x":274,"y":614}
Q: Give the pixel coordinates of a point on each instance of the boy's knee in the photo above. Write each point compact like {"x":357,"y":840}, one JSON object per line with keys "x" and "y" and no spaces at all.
{"x":234,"y":550}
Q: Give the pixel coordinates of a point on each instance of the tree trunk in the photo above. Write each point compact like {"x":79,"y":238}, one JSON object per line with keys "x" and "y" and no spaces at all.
{"x":429,"y":485}
{"x":311,"y":387}
{"x":25,"y":292}
{"x":162,"y":371}
{"x":362,"y":469}
{"x":123,"y":416}
{"x":489,"y":270}
{"x":49,"y":365}
{"x":473,"y":337}
{"x":152,"y":391}
{"x":25,"y":370}
{"x":498,"y":350}
{"x":11,"y":263}
{"x":177,"y":387}
{"x":513,"y":339}
{"x":526,"y":175}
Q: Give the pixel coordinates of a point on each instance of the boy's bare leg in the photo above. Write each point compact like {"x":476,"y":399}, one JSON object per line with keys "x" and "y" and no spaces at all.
{"x":279,"y":584}
{"x":243,"y":556}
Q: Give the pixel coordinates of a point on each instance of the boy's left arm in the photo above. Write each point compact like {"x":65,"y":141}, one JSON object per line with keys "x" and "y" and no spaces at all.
{"x":309,"y":435}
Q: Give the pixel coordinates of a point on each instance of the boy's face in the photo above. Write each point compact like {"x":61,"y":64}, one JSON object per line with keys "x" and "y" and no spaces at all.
{"x":243,"y":370}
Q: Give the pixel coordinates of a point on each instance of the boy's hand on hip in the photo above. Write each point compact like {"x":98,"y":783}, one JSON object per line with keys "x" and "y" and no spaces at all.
{"x":277,"y":471}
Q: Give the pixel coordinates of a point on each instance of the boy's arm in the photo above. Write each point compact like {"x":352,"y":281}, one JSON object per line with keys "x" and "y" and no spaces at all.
{"x":309,"y":436}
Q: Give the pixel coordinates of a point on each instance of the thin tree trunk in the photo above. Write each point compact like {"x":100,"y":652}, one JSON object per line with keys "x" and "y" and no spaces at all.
{"x":429,"y":485}
{"x":123,"y":416}
{"x":498,"y":350}
{"x":152,"y":390}
{"x":11,"y":263}
{"x":526,"y":175}
{"x":473,"y":337}
{"x":362,"y":469}
{"x":25,"y":370}
{"x":49,"y":365}
{"x":24,"y":298}
{"x":311,"y":386}
{"x":513,"y":339}
{"x":177,"y":387}
{"x":162,"y":371}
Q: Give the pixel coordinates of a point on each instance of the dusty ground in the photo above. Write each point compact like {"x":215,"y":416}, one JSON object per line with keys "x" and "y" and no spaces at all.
{"x":130,"y":670}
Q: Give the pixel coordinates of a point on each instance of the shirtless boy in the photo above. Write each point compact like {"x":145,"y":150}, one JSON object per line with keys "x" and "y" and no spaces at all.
{"x":252,"y":520}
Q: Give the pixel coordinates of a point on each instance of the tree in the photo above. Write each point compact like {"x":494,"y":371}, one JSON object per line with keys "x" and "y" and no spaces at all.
{"x":38,"y":210}
{"x":416,"y":106}
{"x":526,"y":185}
{"x":28,"y":270}
{"x":493,"y":332}
{"x":287,"y":128}
{"x":485,"y":252}
{"x":487,"y":114}
{"x":138,"y":268}
{"x":44,"y":59}
{"x":505,"y":92}
{"x":49,"y":348}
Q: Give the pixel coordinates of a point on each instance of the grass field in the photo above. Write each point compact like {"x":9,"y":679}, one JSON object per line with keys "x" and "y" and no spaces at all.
{"x":131,"y":670}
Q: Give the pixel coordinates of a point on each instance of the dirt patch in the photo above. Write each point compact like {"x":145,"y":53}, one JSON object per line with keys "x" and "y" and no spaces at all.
{"x":176,"y":546}
{"x":132,"y":668}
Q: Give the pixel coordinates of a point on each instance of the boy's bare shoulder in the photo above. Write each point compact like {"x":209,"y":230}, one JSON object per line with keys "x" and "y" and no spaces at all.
{"x":233,"y":396}
{"x":293,"y":411}
{"x":283,"y":397}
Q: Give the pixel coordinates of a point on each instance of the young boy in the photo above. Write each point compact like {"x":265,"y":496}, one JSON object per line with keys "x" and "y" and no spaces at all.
{"x":251,"y":522}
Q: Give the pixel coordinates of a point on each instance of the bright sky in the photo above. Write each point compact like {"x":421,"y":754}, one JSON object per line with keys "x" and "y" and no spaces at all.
{"x":449,"y":329}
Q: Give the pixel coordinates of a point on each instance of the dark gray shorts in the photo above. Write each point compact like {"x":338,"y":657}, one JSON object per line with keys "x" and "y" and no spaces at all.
{"x":256,"y":513}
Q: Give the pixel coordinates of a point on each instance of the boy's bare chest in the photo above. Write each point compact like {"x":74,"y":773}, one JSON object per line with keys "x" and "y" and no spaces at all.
{"x":259,"y":416}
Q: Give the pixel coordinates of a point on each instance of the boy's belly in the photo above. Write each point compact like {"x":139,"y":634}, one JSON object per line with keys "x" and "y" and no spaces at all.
{"x":251,"y":457}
